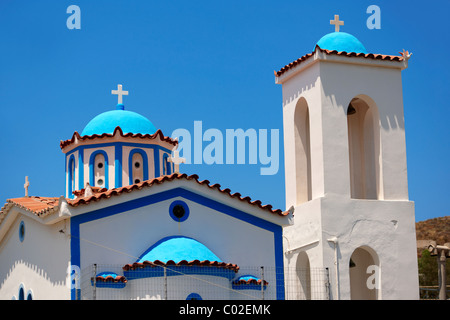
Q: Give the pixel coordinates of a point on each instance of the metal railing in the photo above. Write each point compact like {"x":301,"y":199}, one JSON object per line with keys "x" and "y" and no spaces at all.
{"x":109,"y":282}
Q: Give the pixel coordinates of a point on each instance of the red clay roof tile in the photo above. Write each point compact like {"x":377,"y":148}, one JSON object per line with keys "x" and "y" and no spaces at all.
{"x":157,"y":263}
{"x":36,"y":205}
{"x":110,"y":279}
{"x":148,"y":183}
{"x":42,"y":205}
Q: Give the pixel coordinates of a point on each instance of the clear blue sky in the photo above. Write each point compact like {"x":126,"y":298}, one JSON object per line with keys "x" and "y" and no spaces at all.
{"x":212,"y":61}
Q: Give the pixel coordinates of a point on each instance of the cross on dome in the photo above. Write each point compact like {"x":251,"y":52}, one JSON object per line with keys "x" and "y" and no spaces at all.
{"x":336,"y":23}
{"x":119,"y":93}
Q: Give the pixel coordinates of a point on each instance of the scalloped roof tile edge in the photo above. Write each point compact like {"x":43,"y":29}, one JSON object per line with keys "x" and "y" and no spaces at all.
{"x":335,"y":52}
{"x":117,"y":131}
{"x":106,"y":194}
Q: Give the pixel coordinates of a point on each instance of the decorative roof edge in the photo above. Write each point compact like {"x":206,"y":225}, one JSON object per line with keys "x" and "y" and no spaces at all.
{"x":118,"y":131}
{"x":148,"y":183}
{"x":341,"y":53}
{"x":158,"y":263}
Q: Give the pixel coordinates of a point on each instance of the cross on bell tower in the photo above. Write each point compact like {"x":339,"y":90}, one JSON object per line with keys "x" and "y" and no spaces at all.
{"x":336,"y":23}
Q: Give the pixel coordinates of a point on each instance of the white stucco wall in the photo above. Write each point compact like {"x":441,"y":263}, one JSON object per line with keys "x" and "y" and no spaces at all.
{"x":39,"y":263}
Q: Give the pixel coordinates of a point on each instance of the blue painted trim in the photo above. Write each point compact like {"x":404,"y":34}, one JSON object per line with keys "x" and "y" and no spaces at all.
{"x":144,"y":165}
{"x":186,"y":210}
{"x":156,"y":162}
{"x":92,"y":170}
{"x":108,"y":284}
{"x":174,"y":270}
{"x":81,"y":170}
{"x":118,"y":165}
{"x":165,"y":162}
{"x":74,"y":252}
{"x":235,"y":285}
{"x":76,"y":221}
{"x":250,"y":286}
{"x":71,"y":177}
{"x":124,"y":144}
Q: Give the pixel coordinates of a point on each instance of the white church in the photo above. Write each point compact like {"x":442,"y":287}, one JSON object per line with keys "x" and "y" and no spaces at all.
{"x":131,"y":226}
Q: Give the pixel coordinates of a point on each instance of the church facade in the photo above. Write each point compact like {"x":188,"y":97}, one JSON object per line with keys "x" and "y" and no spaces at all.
{"x":130,"y":223}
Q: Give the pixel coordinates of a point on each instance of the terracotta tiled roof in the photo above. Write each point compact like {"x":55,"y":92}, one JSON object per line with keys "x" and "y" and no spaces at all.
{"x":42,"y":205}
{"x":157,"y":263}
{"x":118,"y":130}
{"x":111,"y":279}
{"x":249,"y":282}
{"x":36,"y":205}
{"x":340,"y":53}
{"x":148,"y":183}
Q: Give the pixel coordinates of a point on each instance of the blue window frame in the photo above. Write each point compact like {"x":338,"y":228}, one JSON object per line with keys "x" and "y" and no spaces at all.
{"x":179,"y":211}
{"x":92,"y":181}
{"x":131,"y":165}
{"x":71,"y":178}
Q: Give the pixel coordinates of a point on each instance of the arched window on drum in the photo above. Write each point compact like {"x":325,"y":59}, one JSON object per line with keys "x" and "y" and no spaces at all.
{"x":98,"y":169}
{"x":137,"y":166}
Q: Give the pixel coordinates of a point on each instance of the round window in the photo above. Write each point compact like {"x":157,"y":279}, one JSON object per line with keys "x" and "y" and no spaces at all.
{"x":100,"y":165}
{"x":137,"y":181}
{"x":179,"y":211}
{"x":137,"y":164}
{"x":99,"y":182}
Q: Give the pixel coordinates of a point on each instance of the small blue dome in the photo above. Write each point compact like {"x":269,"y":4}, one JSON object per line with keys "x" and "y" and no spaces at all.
{"x":341,"y":41}
{"x":178,"y":248}
{"x":128,"y":121}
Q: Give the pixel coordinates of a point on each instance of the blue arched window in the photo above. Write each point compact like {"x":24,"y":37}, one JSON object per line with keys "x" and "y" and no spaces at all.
{"x":21,"y":293}
{"x":137,"y":166}
{"x":71,"y":177}
{"x":167,"y":165}
{"x":98,"y":169}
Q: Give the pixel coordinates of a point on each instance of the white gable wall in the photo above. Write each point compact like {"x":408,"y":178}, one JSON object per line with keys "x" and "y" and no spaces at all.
{"x":39,"y":264}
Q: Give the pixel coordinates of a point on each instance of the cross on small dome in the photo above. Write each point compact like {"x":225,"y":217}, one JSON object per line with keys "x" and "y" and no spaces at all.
{"x":119,"y":93}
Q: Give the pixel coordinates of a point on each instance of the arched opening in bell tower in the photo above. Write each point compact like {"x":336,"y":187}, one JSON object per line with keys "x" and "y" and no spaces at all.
{"x":364,"y":147}
{"x":364,"y":274}
{"x":302,"y":152}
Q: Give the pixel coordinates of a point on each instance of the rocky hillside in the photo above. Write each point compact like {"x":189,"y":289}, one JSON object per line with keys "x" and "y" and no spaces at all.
{"x":437,"y":229}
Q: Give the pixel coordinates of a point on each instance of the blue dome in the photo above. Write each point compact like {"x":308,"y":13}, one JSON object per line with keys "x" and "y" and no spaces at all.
{"x":341,"y":41}
{"x":128,"y":121}
{"x":178,"y":248}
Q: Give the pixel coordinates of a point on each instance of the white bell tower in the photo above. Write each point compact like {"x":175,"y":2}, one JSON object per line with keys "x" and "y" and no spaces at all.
{"x":346,"y":176}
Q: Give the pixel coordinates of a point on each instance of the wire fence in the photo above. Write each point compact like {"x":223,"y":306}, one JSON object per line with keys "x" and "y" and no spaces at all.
{"x":195,"y":282}
{"x":432,"y":292}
